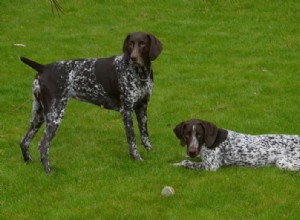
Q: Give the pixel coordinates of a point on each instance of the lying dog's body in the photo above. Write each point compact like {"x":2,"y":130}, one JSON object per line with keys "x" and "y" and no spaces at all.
{"x":219,"y":147}
{"x":123,"y":83}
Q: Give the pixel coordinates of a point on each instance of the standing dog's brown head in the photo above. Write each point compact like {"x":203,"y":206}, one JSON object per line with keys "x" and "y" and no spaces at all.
{"x":194,"y":133}
{"x":141,"y":48}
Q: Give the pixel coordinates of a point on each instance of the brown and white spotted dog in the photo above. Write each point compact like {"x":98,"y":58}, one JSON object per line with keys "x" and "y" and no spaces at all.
{"x":123,"y":83}
{"x":219,"y":147}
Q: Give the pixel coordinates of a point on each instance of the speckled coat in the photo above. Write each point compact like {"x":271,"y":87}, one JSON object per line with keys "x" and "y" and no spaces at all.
{"x":240,"y":149}
{"x":123,"y":83}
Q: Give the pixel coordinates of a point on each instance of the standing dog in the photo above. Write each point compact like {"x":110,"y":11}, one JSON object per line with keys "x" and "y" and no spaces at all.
{"x":123,"y":83}
{"x":219,"y":147}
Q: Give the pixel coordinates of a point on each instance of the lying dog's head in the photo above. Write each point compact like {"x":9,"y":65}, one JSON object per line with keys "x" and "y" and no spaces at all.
{"x":141,"y":48}
{"x":194,"y":133}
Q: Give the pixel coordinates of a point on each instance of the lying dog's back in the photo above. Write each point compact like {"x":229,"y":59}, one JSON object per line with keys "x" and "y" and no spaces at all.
{"x":259,"y":150}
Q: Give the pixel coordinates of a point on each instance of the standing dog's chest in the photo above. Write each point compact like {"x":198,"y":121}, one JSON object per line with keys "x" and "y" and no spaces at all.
{"x":135,"y":84}
{"x":132,"y":88}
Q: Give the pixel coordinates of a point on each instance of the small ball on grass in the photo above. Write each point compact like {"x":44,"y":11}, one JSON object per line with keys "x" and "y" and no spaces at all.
{"x":168,"y":191}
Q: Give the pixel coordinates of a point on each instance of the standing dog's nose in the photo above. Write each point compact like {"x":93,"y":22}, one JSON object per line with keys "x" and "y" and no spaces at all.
{"x":133,"y":58}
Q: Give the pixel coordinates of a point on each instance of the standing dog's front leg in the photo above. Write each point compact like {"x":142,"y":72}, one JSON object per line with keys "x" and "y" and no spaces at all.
{"x":141,"y":115}
{"x":128,"y":123}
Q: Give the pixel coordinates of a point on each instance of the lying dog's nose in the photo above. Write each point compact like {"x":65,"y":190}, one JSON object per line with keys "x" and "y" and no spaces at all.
{"x":192,"y":153}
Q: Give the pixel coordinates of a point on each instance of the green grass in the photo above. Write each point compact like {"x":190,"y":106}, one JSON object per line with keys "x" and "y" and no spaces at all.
{"x":235,"y":63}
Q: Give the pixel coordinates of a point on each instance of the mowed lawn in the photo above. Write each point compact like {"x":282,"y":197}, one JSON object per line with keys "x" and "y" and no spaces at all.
{"x":235,"y":63}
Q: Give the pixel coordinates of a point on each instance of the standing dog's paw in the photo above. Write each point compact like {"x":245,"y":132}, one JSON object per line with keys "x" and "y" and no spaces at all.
{"x":146,"y":143}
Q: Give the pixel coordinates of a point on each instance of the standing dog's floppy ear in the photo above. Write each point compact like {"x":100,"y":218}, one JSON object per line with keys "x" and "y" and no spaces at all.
{"x":125,"y":48}
{"x":210,"y":133}
{"x":155,"y":47}
{"x":178,"y":130}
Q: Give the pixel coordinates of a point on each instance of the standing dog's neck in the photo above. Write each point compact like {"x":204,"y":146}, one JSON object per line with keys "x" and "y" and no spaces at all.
{"x":143,"y":72}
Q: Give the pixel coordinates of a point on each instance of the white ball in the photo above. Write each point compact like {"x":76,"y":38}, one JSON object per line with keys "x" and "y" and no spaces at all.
{"x":167,"y":191}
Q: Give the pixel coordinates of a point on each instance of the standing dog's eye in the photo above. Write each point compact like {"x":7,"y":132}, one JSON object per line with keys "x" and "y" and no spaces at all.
{"x":142,"y":44}
{"x":131,"y":44}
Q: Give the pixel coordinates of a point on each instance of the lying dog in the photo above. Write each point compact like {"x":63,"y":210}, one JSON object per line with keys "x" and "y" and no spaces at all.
{"x":219,"y":147}
{"x":122,"y":83}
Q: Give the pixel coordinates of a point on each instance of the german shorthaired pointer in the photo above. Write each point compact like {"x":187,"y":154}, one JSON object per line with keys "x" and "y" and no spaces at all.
{"x":123,"y":83}
{"x":219,"y":147}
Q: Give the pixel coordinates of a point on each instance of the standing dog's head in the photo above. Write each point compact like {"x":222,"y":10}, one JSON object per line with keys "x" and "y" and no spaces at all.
{"x":141,"y":48}
{"x":194,"y":133}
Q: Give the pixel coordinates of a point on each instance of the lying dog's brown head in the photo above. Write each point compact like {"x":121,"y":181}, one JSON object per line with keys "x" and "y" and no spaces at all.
{"x":141,"y":48}
{"x":194,"y":133}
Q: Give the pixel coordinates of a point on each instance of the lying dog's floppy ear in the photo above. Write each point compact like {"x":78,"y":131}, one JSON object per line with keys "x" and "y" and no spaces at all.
{"x":210,"y":133}
{"x":155,"y":47}
{"x":178,"y":130}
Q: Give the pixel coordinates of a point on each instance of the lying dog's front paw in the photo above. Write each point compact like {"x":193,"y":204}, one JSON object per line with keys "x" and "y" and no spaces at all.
{"x":184,"y":163}
{"x":181,"y":164}
{"x":177,"y":164}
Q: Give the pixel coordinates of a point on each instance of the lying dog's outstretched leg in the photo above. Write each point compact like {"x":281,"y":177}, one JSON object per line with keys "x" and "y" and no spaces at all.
{"x":194,"y":165}
{"x":141,"y":115}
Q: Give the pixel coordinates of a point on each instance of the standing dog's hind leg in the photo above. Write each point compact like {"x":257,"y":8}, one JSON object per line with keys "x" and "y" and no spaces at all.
{"x":53,"y":120}
{"x":44,"y":145}
{"x":36,"y":122}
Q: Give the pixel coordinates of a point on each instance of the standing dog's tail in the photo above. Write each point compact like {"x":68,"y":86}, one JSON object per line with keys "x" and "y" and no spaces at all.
{"x":38,"y":67}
